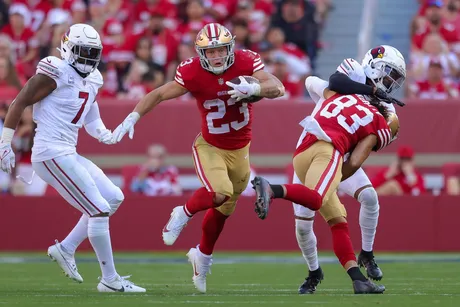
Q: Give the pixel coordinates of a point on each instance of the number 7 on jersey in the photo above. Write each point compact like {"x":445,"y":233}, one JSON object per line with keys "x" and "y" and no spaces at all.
{"x":85,"y":96}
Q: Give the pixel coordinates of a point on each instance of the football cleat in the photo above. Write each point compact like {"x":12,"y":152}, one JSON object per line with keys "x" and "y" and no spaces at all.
{"x":366,"y":259}
{"x":201,"y":267}
{"x":65,"y":260}
{"x":311,"y":282}
{"x":176,"y":223}
{"x":367,"y":287}
{"x":119,"y":284}
{"x":264,"y":196}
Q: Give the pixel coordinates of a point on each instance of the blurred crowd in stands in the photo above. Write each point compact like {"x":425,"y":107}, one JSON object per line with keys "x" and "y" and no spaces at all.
{"x":434,"y":60}
{"x":144,"y":40}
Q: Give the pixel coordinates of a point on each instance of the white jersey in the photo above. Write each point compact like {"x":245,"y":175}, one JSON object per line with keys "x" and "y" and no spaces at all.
{"x":62,"y":113}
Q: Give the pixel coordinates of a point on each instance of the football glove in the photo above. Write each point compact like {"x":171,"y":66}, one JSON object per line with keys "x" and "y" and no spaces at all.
{"x":243,"y":90}
{"x":7,"y":158}
{"x":127,"y":126}
{"x":382,"y":95}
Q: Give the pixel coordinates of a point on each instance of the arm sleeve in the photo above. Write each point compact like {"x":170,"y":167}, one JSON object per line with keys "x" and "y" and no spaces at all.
{"x":93,"y":122}
{"x":342,"y":84}
{"x":315,"y":87}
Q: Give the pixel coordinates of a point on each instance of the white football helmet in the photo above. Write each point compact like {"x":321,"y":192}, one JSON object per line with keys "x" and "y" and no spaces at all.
{"x":81,"y":47}
{"x":385,"y":67}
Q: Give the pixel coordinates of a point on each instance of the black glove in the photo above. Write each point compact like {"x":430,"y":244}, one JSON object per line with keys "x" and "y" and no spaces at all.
{"x":382,"y":95}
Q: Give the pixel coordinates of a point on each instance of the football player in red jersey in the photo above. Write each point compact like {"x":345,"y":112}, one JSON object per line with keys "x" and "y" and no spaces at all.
{"x":342,"y":124}
{"x":221,"y":150}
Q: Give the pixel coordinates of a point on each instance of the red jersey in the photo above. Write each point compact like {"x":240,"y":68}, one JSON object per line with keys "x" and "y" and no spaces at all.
{"x":437,"y":91}
{"x":344,"y":120}
{"x":23,"y":42}
{"x":225,"y":123}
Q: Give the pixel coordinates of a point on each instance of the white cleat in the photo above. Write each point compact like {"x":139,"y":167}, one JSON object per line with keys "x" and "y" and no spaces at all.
{"x":201,"y":267}
{"x":65,"y":260}
{"x":176,"y":223}
{"x":119,"y":284}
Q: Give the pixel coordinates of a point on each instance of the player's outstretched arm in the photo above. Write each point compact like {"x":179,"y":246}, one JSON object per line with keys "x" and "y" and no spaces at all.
{"x":37,"y":88}
{"x":270,"y":86}
{"x":95,"y":127}
{"x":167,"y":91}
{"x":316,"y":87}
{"x":342,"y":84}
{"x":358,"y":156}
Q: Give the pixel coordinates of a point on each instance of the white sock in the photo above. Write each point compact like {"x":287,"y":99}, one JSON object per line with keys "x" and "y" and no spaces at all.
{"x":78,"y":234}
{"x":368,"y":217}
{"x":99,"y":236}
{"x":307,"y":243}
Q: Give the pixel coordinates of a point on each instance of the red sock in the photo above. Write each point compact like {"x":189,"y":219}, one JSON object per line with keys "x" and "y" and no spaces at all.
{"x":213,"y":223}
{"x":200,"y":200}
{"x":303,"y":196}
{"x":341,"y":242}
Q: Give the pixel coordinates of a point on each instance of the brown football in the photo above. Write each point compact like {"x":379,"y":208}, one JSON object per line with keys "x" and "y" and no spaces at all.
{"x":249,"y":79}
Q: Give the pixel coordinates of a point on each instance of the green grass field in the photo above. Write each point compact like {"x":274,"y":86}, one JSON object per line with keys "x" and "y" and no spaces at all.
{"x":255,"y":279}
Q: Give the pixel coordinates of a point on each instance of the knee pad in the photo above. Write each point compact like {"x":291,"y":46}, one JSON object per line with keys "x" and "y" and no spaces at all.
{"x":369,"y":199}
{"x":116,"y":201}
{"x":229,"y":206}
{"x":303,"y":228}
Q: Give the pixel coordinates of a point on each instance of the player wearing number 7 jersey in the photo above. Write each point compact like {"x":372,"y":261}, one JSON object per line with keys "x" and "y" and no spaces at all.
{"x":221,"y":150}
{"x":63,"y":94}
{"x":342,"y":124}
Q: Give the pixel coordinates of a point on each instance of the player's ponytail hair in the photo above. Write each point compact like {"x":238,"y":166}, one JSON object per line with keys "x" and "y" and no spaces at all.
{"x":380,"y":105}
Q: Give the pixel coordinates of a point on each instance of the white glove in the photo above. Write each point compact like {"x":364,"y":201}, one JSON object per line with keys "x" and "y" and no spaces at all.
{"x":243,"y":90}
{"x":105,"y":136}
{"x":7,"y":158}
{"x":126,"y":126}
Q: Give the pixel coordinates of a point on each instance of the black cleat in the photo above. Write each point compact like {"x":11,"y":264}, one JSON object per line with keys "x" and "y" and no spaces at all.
{"x":366,"y":259}
{"x":264,"y":196}
{"x":311,"y":282}
{"x":367,"y":287}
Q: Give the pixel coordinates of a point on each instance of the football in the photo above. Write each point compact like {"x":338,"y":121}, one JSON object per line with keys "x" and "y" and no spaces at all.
{"x":249,"y":79}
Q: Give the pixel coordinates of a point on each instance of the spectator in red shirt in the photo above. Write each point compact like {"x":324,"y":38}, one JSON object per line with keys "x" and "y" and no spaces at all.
{"x":401,"y":178}
{"x":155,"y":177}
{"x":195,"y":20}
{"x":241,"y":33}
{"x":24,"y":42}
{"x":435,"y":86}
{"x":290,"y":81}
{"x":433,"y":23}
{"x":297,"y":60}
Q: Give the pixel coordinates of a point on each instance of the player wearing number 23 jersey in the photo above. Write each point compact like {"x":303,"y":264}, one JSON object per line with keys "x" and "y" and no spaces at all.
{"x":221,"y":150}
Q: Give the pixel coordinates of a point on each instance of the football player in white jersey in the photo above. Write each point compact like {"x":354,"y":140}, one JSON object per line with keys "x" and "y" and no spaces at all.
{"x":382,"y":72}
{"x":63,"y":94}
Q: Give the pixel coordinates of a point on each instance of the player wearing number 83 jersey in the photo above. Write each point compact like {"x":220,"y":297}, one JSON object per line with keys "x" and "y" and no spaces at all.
{"x":221,"y":150}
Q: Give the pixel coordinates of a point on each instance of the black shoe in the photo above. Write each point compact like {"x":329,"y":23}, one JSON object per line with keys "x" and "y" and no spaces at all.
{"x":264,"y":196}
{"x":311,"y":282}
{"x":367,"y":287}
{"x":366,"y":259}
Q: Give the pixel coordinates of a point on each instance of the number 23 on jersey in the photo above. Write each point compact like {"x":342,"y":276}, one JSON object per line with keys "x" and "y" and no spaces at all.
{"x":221,"y":107}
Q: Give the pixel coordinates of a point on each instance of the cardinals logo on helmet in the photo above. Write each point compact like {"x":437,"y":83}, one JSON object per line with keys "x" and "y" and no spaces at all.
{"x":378,"y":52}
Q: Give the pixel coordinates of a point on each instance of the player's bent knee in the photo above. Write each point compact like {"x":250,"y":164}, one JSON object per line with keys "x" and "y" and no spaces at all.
{"x":227,"y":208}
{"x":219,"y":198}
{"x":369,"y":198}
{"x":116,"y":201}
{"x":336,"y":220}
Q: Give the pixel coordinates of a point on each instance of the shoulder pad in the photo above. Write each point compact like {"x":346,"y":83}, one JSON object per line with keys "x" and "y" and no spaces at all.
{"x":186,"y":70}
{"x":250,"y":58}
{"x":96,"y":78}
{"x":352,"y":69}
{"x":51,"y":66}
